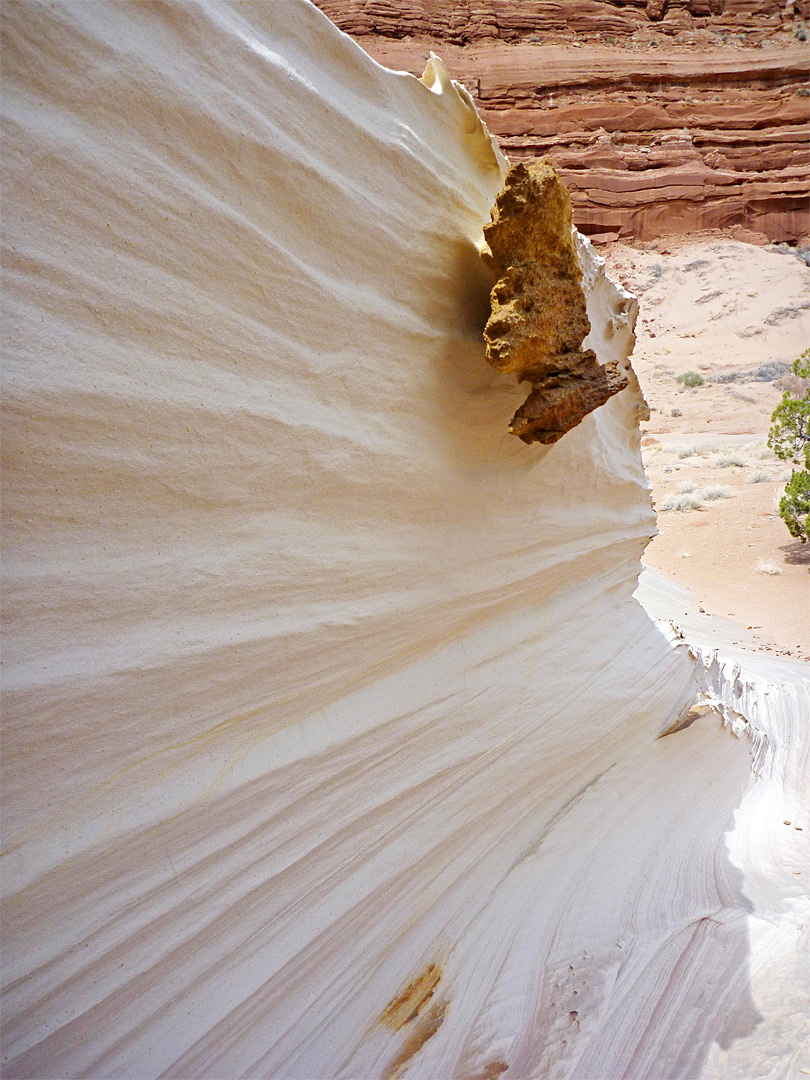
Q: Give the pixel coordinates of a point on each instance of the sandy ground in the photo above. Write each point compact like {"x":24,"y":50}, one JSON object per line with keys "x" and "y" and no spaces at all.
{"x":722,"y":309}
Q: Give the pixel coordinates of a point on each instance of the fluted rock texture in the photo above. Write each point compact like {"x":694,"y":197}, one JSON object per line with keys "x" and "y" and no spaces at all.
{"x":331,"y":721}
{"x":661,"y":117}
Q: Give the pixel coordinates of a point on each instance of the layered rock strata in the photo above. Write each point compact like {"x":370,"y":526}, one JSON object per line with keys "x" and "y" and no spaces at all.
{"x":463,"y":22}
{"x":661,"y":118}
{"x":331,"y":722}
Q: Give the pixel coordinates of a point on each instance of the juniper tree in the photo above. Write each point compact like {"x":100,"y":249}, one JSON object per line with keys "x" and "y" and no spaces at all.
{"x":789,"y":438}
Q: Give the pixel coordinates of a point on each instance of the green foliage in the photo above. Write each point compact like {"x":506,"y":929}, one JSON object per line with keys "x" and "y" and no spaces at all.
{"x":789,"y":438}
{"x":690,"y":378}
{"x":794,"y":506}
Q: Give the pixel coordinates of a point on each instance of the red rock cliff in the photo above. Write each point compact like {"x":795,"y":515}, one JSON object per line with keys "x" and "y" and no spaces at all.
{"x":661,"y":116}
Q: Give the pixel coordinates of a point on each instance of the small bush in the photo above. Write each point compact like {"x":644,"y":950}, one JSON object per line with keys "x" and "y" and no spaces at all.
{"x":768,"y":567}
{"x":794,"y":506}
{"x":687,"y":451}
{"x":770,"y":372}
{"x":729,"y":461}
{"x":789,"y":438}
{"x":677,"y":412}
{"x":685,"y":487}
{"x":760,"y":476}
{"x":682,"y":502}
{"x":715,"y":491}
{"x":690,"y":378}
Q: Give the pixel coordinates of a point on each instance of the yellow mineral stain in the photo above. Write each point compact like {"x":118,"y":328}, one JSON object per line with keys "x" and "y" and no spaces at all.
{"x":407,"y":1005}
{"x":425,"y":1029}
{"x":491,"y":1071}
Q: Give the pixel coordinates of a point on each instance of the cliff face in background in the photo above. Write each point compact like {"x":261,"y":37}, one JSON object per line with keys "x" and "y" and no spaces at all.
{"x":660,"y":117}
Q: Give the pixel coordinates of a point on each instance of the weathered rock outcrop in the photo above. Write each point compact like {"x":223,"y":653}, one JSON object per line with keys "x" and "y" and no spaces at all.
{"x":539,"y":318}
{"x":468,"y":21}
{"x":660,"y":117}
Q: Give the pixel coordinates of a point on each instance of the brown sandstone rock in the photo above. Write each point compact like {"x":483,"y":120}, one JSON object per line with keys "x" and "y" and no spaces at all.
{"x":662,"y":116}
{"x":538,"y":319}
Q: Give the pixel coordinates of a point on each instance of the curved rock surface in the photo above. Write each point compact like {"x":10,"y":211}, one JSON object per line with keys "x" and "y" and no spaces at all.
{"x":335,"y":742}
{"x":661,"y":117}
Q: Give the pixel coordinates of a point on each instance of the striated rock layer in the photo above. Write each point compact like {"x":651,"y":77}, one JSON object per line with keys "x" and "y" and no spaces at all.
{"x":660,"y":117}
{"x":334,"y":740}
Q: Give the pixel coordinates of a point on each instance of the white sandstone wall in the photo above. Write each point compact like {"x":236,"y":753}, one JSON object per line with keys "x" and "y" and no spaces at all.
{"x":316,"y":682}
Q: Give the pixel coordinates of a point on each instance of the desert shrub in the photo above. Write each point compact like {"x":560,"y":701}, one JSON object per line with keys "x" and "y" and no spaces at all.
{"x":768,"y":567}
{"x":778,"y":315}
{"x":792,"y":385}
{"x":677,"y":412}
{"x":690,"y":378}
{"x":770,"y":372}
{"x":685,"y":487}
{"x":681,"y":502}
{"x":730,"y":461}
{"x":760,"y":476}
{"x":789,"y":438}
{"x":789,"y":435}
{"x":761,"y":452}
{"x":687,"y":451}
{"x":715,"y":491}
{"x":794,"y":506}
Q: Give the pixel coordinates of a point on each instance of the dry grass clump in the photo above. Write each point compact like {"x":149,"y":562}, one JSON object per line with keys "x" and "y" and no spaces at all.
{"x":715,"y":491}
{"x":685,"y":488}
{"x":696,"y":450}
{"x":729,"y":461}
{"x":768,"y":567}
{"x":757,"y":450}
{"x":760,"y":476}
{"x":681,"y":502}
{"x":690,"y":379}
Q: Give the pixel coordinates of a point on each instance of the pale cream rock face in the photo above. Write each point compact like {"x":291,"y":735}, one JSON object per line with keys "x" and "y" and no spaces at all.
{"x":330,"y":719}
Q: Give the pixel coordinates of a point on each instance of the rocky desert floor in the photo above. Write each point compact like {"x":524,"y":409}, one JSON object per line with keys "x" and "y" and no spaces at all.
{"x":737,"y":315}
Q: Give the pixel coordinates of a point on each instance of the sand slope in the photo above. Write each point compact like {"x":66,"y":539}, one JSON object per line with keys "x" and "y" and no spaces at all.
{"x":727,"y":311}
